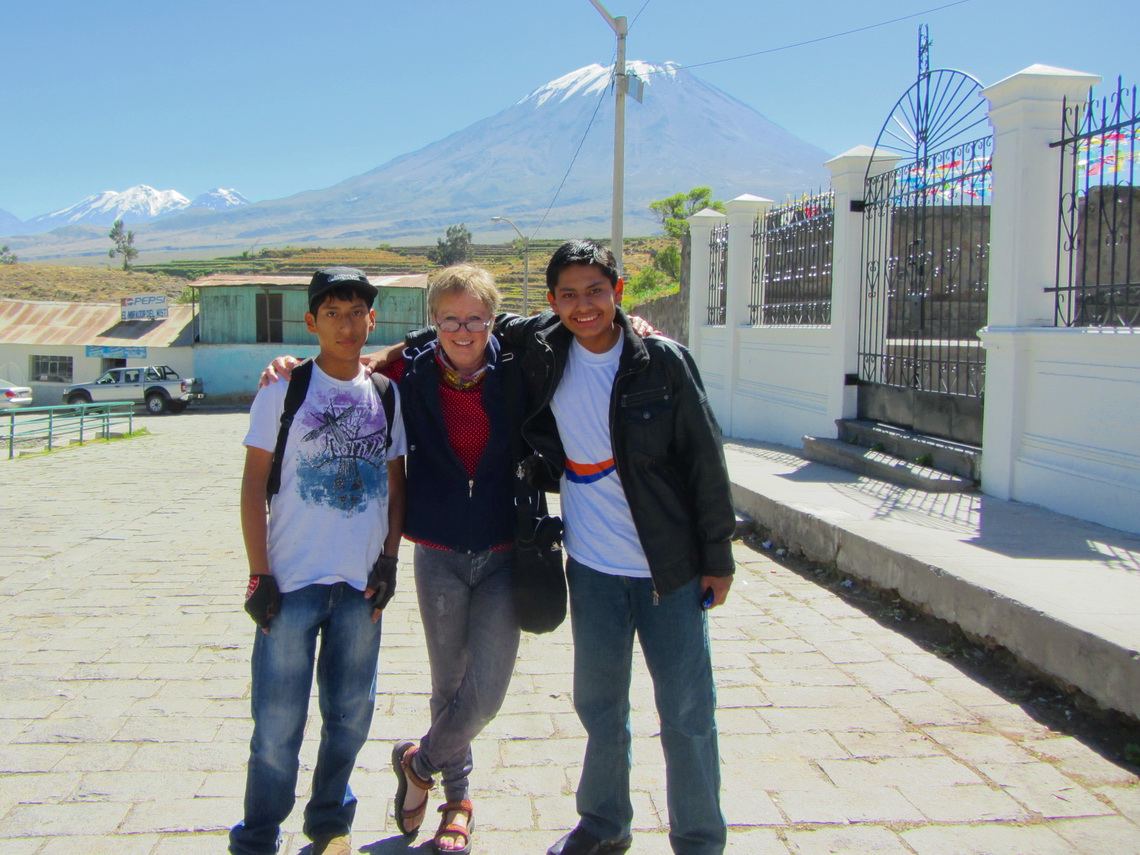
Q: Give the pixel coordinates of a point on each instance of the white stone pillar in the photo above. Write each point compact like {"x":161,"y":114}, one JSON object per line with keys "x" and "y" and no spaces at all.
{"x":742,"y":214}
{"x":701,"y":225}
{"x":848,"y":179}
{"x":1025,"y":110}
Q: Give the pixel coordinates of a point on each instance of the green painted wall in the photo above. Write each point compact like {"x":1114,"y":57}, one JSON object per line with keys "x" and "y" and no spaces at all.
{"x":228,"y":315}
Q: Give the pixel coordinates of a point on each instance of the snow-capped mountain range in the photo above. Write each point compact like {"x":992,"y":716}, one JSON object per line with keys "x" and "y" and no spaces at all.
{"x":546,"y":162}
{"x":139,"y":204}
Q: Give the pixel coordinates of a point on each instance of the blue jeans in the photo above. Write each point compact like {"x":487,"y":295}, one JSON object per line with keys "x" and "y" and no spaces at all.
{"x":282,"y":682}
{"x":605,"y":612}
{"x":468,"y":611}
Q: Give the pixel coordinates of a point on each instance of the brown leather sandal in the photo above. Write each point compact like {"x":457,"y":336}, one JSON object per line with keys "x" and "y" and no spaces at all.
{"x":408,"y":821}
{"x":452,"y":828}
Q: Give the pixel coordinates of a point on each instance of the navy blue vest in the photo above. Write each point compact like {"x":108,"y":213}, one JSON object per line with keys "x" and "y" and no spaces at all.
{"x":444,"y":506}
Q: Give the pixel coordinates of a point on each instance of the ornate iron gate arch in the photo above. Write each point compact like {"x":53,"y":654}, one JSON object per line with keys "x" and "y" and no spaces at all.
{"x":925,"y":269}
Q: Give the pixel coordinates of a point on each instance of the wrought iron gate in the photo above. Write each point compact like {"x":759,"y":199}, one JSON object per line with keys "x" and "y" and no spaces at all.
{"x":926,"y":262}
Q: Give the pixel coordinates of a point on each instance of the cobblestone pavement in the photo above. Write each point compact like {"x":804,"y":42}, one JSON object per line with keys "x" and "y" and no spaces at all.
{"x":124,"y":684}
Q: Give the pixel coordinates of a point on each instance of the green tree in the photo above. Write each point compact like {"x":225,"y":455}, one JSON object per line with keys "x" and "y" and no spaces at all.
{"x":6,"y":255}
{"x":124,"y":244}
{"x":673,"y":211}
{"x":668,"y":261}
{"x":456,"y":247}
{"x":645,"y":284}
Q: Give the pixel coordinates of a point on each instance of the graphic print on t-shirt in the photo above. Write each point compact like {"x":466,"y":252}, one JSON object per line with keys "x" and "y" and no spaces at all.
{"x":588,"y":473}
{"x":341,"y":458}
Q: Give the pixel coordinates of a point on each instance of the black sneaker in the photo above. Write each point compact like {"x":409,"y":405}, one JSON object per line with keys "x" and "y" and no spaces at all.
{"x":579,"y":842}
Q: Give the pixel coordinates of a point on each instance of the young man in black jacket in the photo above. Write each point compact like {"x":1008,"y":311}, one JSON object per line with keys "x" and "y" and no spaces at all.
{"x":624,"y":431}
{"x":624,"y":428}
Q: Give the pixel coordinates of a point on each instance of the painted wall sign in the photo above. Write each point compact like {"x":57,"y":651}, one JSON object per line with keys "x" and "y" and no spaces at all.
{"x":116,"y":352}
{"x":144,"y":307}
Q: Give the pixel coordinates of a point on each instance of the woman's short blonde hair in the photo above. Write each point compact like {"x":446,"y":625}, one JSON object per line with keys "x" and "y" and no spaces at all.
{"x":464,"y":279}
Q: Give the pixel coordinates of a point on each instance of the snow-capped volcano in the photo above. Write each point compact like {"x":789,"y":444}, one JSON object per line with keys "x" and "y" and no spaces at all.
{"x":220,"y":200}
{"x":685,"y":133}
{"x":591,"y":80}
{"x":597,"y":79}
{"x":546,"y":161}
{"x":139,"y":204}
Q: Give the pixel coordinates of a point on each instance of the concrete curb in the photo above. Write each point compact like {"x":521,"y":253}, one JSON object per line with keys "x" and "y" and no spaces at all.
{"x":1107,"y":671}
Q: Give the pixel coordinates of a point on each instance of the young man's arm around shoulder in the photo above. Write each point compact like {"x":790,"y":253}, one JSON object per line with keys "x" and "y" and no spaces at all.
{"x":262,"y":598}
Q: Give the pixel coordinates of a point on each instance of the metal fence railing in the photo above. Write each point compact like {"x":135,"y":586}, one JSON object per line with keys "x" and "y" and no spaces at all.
{"x":1098,"y":240}
{"x":36,"y":428}
{"x":925,"y":281}
{"x":791,"y":263}
{"x":718,"y":275}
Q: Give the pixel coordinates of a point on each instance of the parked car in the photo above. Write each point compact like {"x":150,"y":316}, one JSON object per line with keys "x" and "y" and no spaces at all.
{"x":157,"y":386}
{"x":12,"y":395}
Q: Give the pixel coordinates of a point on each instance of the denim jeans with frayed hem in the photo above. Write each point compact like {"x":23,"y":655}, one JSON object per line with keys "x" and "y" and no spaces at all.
{"x":468,"y":611}
{"x":341,"y":618}
{"x":605,"y":612}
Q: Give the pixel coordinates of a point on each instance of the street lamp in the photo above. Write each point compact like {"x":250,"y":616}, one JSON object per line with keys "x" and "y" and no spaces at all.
{"x":526,"y":263}
{"x":620,"y":28}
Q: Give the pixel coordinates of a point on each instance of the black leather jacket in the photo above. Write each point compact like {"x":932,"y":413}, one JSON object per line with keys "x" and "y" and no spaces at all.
{"x":666,"y":445}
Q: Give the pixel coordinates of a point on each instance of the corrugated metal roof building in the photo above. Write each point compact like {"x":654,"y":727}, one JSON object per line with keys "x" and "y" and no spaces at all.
{"x":27,"y":322}
{"x":244,"y":321}
{"x":258,"y":308}
{"x":49,"y":344}
{"x":236,"y":326}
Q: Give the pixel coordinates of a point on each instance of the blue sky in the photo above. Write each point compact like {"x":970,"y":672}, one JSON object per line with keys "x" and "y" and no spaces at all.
{"x":273,"y":98}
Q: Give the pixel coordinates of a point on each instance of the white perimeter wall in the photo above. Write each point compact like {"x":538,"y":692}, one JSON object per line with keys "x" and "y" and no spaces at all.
{"x":784,"y":381}
{"x":1073,"y":438}
{"x":1062,"y":405}
{"x":16,"y":363}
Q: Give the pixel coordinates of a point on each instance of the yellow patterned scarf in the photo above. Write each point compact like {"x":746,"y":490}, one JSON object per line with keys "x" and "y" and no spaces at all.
{"x":451,"y":375}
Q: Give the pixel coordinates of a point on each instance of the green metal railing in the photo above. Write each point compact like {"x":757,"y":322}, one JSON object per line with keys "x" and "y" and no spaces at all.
{"x":61,"y":425}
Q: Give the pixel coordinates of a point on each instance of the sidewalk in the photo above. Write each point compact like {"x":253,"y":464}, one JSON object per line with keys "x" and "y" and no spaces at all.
{"x":1060,"y":593}
{"x":124,"y":658}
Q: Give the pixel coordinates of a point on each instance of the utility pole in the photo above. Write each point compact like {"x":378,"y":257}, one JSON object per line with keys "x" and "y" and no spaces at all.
{"x":526,"y":263}
{"x":621,"y":86}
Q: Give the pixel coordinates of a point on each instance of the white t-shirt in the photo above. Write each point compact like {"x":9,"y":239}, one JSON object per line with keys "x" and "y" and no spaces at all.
{"x":599,"y":529}
{"x":330,"y":519}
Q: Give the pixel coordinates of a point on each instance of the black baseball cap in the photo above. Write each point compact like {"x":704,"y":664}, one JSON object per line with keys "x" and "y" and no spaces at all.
{"x":330,"y":278}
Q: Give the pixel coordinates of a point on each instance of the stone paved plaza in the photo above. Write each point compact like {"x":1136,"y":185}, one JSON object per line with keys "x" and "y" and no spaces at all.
{"x":124,"y":688}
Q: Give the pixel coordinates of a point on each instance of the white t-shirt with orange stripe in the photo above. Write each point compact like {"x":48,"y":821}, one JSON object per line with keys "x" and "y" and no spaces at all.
{"x":599,"y":529}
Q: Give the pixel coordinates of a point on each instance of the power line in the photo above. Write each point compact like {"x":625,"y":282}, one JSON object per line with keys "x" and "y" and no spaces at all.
{"x":594,"y":116}
{"x":823,"y":38}
{"x":574,"y":159}
{"x":635,"y":17}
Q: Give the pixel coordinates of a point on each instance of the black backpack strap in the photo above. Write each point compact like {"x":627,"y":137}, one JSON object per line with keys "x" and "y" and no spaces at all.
{"x":530,"y":503}
{"x":388,"y":400}
{"x":294,"y":397}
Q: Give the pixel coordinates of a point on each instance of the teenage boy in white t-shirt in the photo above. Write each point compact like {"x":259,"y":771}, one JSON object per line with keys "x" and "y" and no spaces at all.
{"x":625,"y":430}
{"x":322,"y":565}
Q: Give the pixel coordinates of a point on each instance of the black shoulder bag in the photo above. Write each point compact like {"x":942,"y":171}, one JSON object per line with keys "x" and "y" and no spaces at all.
{"x":539,"y":574}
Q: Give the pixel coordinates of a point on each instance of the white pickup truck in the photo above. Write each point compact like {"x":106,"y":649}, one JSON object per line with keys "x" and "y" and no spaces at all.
{"x":157,"y":386}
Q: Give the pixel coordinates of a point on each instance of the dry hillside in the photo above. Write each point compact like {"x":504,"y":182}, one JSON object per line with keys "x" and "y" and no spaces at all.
{"x":23,"y":281}
{"x":81,"y":284}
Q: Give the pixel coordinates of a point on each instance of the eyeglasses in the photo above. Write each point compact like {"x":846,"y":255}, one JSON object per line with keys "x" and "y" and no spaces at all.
{"x":476,"y":326}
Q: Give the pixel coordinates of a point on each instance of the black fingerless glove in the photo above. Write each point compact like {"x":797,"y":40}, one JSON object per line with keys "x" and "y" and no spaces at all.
{"x":262,"y":599}
{"x":382,"y":580}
